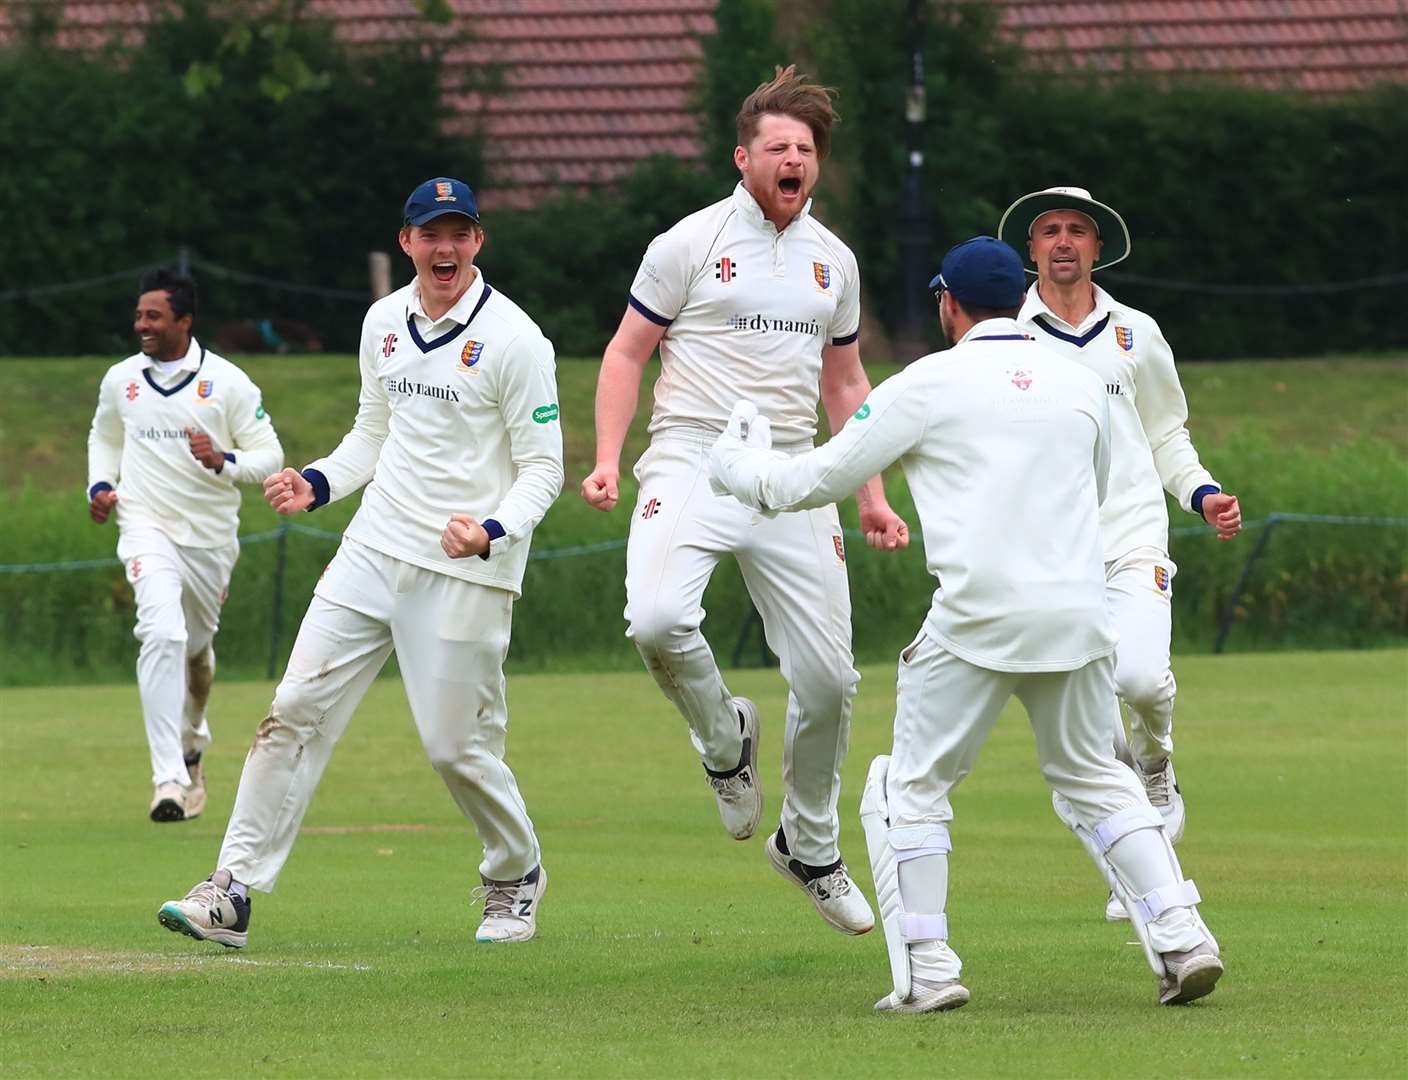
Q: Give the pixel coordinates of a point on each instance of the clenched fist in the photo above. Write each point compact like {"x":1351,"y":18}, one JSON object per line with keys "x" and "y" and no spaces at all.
{"x":203,"y":450}
{"x":463,"y":537}
{"x":288,"y":492}
{"x":101,"y":505}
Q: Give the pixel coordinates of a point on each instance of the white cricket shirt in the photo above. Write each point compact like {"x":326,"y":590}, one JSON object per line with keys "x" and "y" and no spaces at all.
{"x":1150,"y":449}
{"x":138,"y":445}
{"x":455,"y":416}
{"x":1005,"y":446}
{"x":747,"y":311}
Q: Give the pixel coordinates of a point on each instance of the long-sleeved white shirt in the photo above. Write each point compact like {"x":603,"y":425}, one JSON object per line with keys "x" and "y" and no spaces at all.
{"x":138,"y":445}
{"x":459,"y":415}
{"x":1150,"y":449}
{"x":1005,"y":446}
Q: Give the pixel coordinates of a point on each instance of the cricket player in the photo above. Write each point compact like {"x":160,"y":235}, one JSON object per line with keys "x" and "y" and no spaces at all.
{"x":1006,"y":447}
{"x":751,"y":296}
{"x":176,"y":428}
{"x":458,"y":442}
{"x":1068,"y":236}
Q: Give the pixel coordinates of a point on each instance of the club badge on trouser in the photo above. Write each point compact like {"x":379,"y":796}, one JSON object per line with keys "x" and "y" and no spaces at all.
{"x":1161,"y":578}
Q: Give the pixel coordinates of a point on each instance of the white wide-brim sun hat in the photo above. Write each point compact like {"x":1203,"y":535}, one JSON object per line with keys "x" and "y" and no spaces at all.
{"x":1015,"y":228}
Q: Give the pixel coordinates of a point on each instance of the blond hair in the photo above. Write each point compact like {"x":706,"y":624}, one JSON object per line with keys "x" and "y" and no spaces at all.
{"x":790,"y":94}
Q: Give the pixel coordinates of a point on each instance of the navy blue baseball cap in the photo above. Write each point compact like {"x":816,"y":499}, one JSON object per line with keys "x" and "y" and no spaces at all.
{"x":441,"y":195}
{"x":983,"y":272}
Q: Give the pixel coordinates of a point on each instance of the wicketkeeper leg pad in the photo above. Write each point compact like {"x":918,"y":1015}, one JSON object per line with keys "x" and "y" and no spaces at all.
{"x":904,"y":923}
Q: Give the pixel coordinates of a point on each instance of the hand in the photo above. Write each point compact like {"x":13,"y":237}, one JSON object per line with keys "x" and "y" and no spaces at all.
{"x":288,"y":492}
{"x":1223,"y":513}
{"x":738,"y":455}
{"x":884,"y":529}
{"x":603,"y":487}
{"x":463,"y":536}
{"x":101,"y":506}
{"x":203,"y":450}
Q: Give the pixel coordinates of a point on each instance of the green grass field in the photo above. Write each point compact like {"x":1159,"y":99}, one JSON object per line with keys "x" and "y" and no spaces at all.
{"x":666,"y":949}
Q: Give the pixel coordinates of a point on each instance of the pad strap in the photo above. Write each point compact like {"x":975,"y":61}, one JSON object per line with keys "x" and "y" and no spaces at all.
{"x":916,"y":841}
{"x":923,"y":927}
{"x":1150,"y":906}
{"x":1117,"y":826}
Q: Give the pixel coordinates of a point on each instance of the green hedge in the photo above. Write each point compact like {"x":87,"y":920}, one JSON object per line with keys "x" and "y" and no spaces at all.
{"x":1318,"y":586}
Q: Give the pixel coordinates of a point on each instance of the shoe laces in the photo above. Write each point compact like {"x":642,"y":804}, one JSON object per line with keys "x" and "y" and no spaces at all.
{"x":732,"y":788}
{"x":497,"y":896}
{"x":209,"y":894}
{"x":1156,"y":786}
{"x":836,"y":883}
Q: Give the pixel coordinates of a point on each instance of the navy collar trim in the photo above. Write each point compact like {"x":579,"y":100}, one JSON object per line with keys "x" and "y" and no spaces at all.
{"x":1005,"y":337}
{"x":166,"y":391}
{"x":449,"y":335}
{"x":1080,"y":341}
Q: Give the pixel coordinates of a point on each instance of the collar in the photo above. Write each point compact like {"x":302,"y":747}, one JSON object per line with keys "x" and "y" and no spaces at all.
{"x":748,"y":206}
{"x":994,"y":328}
{"x":459,"y":312}
{"x":1034,"y":305}
{"x":189,"y":362}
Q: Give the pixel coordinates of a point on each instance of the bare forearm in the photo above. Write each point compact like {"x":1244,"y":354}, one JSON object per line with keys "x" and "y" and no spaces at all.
{"x":617,"y":394}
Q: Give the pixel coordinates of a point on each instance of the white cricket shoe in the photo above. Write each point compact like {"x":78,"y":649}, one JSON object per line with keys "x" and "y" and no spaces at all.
{"x":169,"y":802}
{"x":1190,"y":975}
{"x":209,"y":912}
{"x":925,"y":997}
{"x":510,"y":907}
{"x":834,"y":894}
{"x":1161,"y":786}
{"x":1114,"y":910}
{"x":737,"y":792}
{"x":195,"y":790}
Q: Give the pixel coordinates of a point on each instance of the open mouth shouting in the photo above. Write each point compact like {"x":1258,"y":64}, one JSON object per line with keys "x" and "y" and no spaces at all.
{"x":444,"y":272}
{"x":790,"y":186}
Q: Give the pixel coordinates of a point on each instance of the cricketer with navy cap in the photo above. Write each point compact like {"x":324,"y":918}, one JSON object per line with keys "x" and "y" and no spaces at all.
{"x":1005,"y":446}
{"x":458,"y":445}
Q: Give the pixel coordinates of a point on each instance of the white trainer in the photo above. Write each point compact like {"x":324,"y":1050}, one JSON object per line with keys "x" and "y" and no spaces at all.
{"x":737,"y":791}
{"x":1114,"y":910}
{"x":209,"y":912}
{"x":510,"y":907}
{"x":925,"y":997}
{"x":835,"y":896}
{"x":195,"y":790}
{"x":168,"y":802}
{"x":1191,"y":975}
{"x":1161,"y":786}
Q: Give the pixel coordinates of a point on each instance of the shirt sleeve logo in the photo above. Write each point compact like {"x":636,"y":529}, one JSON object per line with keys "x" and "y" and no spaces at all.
{"x":259,"y":413}
{"x":1124,"y":338}
{"x":545,"y":414}
{"x":863,"y":412}
{"x":469,"y":355}
{"x":822,"y":273}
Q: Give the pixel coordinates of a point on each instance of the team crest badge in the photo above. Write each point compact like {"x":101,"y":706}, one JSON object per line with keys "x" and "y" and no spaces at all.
{"x":444,"y":192}
{"x":1020,"y":379}
{"x":1161,"y":579}
{"x":840,"y":546}
{"x":205,"y":389}
{"x":469,"y":355}
{"x":1124,"y":338}
{"x":822,"y":272}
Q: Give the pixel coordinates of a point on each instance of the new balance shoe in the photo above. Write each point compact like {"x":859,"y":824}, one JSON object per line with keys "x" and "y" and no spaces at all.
{"x":1190,"y":975}
{"x":1161,"y":786}
{"x":925,"y":996}
{"x":510,"y":907}
{"x":830,"y":889}
{"x":737,"y":792}
{"x":195,"y":790}
{"x":210,"y":912}
{"x":168,"y":802}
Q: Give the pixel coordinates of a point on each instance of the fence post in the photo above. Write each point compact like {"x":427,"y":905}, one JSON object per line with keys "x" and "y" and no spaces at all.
{"x":1230,"y":611}
{"x":276,"y":613}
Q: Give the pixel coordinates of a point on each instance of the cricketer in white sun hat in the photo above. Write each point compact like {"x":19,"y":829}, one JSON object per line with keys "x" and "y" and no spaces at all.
{"x":1015,"y":228}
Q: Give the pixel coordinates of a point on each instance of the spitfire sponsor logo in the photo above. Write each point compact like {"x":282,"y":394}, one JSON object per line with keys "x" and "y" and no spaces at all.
{"x":822,"y":273}
{"x":205,"y":389}
{"x":863,"y":412}
{"x":388,"y":345}
{"x":770,"y":323}
{"x":470,"y":354}
{"x":725,"y":270}
{"x":1124,"y":338}
{"x":259,"y":413}
{"x":651,"y":509}
{"x":410,"y":388}
{"x":1022,"y":380}
{"x":131,"y":392}
{"x":545,"y":414}
{"x":1161,"y":579}
{"x":840,"y":546}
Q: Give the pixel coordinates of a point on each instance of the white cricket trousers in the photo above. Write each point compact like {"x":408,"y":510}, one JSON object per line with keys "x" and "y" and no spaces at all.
{"x":450,"y":637}
{"x":179,"y":591}
{"x":794,"y":568}
{"x":945,"y":709}
{"x":1139,"y":595}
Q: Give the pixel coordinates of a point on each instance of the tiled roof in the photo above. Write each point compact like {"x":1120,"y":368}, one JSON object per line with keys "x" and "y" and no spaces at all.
{"x":1317,"y":46}
{"x":592,"y":86}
